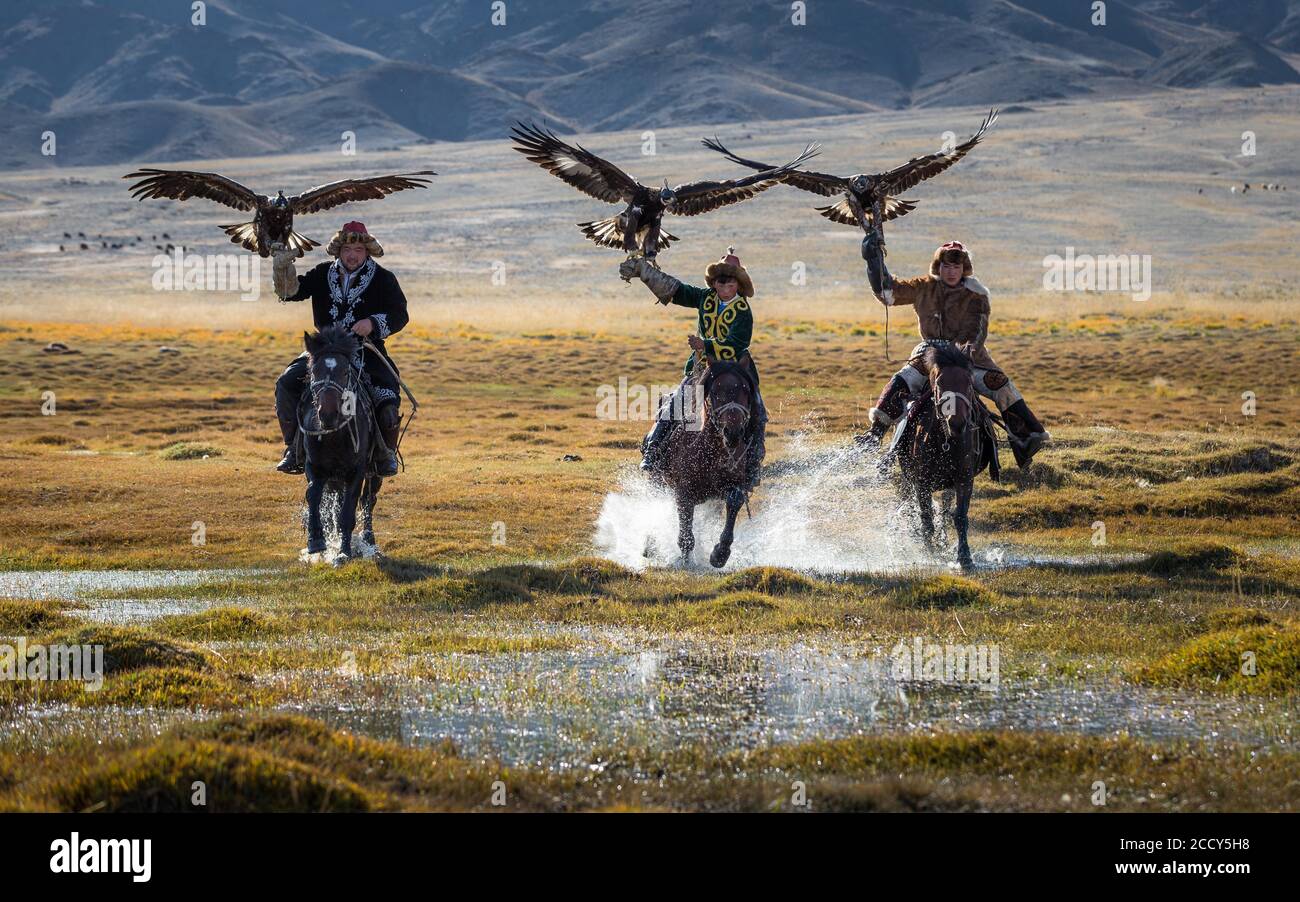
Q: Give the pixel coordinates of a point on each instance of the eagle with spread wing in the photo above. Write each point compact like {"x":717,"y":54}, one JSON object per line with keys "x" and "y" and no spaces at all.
{"x":273,"y":222}
{"x":639,"y":226}
{"x":869,"y":199}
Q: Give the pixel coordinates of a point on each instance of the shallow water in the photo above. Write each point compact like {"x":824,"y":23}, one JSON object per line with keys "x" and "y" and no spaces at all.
{"x":84,"y":585}
{"x":818,"y":510}
{"x":618,"y":688}
{"x":556,"y":709}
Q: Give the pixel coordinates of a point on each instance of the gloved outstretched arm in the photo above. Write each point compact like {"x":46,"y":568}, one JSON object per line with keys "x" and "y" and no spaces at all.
{"x":284,"y":276}
{"x":882,"y":283}
{"x":662,"y":285}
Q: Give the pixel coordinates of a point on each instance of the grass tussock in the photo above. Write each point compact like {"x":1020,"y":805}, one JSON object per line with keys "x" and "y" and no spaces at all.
{"x":221,"y":624}
{"x":943,"y":592}
{"x":161,"y":778}
{"x":465,"y":644}
{"x":169,"y":687}
{"x":130,"y":648}
{"x":1233,"y":619}
{"x":24,"y":618}
{"x":1194,"y":559}
{"x":1255,"y":660}
{"x":771,"y":581}
{"x":189,"y":451}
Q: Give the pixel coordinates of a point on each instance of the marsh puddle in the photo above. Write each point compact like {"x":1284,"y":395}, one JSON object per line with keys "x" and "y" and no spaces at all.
{"x":84,"y":585}
{"x":556,"y":708}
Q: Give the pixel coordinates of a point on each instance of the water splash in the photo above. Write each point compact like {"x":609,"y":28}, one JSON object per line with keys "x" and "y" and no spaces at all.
{"x":817,"y":509}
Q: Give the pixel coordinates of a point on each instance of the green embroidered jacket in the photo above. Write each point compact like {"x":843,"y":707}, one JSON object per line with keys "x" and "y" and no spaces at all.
{"x":726,"y":335}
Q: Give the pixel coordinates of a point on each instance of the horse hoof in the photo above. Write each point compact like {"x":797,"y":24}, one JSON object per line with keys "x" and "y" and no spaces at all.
{"x":720,"y":555}
{"x":339,"y":559}
{"x":966,"y":563}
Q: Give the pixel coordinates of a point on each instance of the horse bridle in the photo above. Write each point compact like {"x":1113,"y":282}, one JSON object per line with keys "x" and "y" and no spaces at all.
{"x":318,"y":387}
{"x":710,"y":413}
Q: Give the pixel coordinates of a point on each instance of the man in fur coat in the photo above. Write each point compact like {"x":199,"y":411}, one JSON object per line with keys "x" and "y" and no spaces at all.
{"x":950,"y":305}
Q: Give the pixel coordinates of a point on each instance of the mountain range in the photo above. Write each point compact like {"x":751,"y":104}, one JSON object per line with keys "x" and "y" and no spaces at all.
{"x":139,"y":81}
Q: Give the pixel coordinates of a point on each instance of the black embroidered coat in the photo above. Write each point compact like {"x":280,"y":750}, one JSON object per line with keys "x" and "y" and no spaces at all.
{"x":374,"y":294}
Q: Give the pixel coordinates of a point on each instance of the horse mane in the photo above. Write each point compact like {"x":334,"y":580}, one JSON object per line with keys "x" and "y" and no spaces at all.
{"x":723,"y":367}
{"x":333,"y":339}
{"x":938,"y":356}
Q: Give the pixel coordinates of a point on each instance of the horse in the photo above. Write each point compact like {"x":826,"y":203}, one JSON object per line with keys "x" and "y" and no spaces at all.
{"x":945,"y":441}
{"x":709,"y":462}
{"x":336,"y":422}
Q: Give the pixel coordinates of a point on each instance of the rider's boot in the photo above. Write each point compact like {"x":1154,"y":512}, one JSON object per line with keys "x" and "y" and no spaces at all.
{"x":652,"y":446}
{"x":1026,"y":434}
{"x":289,"y":430}
{"x":886,"y":412}
{"x":390,"y":421}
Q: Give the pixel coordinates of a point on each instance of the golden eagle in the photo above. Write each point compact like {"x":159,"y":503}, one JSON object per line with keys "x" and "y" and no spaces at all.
{"x":639,"y":226}
{"x":868,"y":197}
{"x":273,"y":221}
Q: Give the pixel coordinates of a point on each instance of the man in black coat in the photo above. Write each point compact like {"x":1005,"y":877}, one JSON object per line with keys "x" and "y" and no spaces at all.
{"x":356,"y":292}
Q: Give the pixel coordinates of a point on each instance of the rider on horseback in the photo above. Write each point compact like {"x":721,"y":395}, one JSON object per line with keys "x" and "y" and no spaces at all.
{"x":725,"y":326}
{"x":951,"y":305}
{"x":357,"y":293}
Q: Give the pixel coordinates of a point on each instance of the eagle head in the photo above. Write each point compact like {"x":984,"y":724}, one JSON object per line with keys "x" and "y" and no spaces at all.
{"x":280,"y":200}
{"x":862,"y":184}
{"x":667,"y":196}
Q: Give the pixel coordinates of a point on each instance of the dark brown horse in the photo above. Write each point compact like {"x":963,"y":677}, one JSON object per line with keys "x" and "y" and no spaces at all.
{"x":701,"y":464}
{"x":336,"y":422}
{"x":946,"y":440}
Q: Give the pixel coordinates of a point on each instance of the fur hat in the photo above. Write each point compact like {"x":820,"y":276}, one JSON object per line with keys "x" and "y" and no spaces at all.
{"x":729,"y":265}
{"x":353,"y":233}
{"x":967,"y":268}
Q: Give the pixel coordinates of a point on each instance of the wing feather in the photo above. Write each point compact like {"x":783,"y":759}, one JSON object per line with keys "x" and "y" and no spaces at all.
{"x":182,"y":184}
{"x":576,"y":165}
{"x":816,"y":182}
{"x":346,"y":191}
{"x":917,"y":170}
{"x":695,"y":198}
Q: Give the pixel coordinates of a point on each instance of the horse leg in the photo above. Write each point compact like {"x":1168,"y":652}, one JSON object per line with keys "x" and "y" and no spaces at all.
{"x":722,"y":550}
{"x":368,"y":496}
{"x":348,"y":514}
{"x":685,"y":529}
{"x":960,"y":520}
{"x":315,"y":490}
{"x":925,"y":508}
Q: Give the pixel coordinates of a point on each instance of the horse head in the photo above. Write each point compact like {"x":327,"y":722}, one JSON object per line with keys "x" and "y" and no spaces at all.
{"x":952,"y":385}
{"x":728,"y":401}
{"x":330,"y":353}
